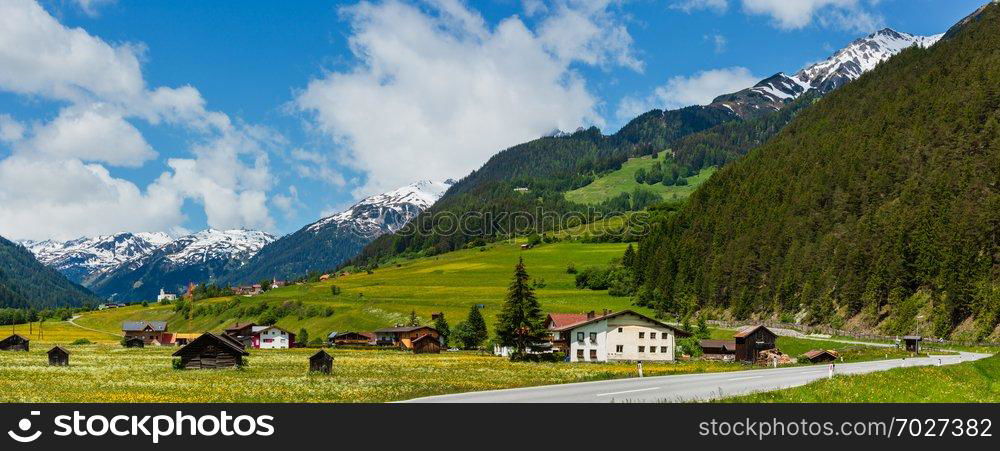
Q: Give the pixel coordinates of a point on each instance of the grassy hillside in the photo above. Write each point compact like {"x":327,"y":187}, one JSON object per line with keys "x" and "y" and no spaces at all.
{"x":876,"y":206}
{"x":623,"y":181}
{"x":977,"y":381}
{"x":449,"y":283}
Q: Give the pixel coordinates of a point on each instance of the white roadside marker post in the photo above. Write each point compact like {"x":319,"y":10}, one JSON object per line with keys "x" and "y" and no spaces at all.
{"x":832,"y":365}
{"x":640,"y":368}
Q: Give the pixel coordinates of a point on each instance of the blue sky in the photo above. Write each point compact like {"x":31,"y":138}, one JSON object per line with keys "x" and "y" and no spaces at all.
{"x":177,"y":115}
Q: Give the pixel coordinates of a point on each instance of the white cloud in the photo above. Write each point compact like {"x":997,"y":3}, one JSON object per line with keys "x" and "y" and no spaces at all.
{"x":90,"y":7}
{"x":719,"y":41}
{"x":94,"y":134}
{"x":287,"y":203}
{"x":398,"y":114}
{"x":698,"y":89}
{"x":790,"y":15}
{"x":105,"y":89}
{"x":316,"y":166}
{"x":692,"y":5}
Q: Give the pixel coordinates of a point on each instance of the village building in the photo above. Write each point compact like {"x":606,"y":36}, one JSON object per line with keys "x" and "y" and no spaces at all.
{"x":752,"y":340}
{"x":174,"y":339}
{"x":554,"y":321}
{"x":324,"y":277}
{"x":351,"y":339}
{"x":271,"y":337}
{"x":164,"y":296}
{"x":820,"y":355}
{"x":621,"y":336}
{"x":426,"y":344}
{"x":148,"y":331}
{"x":248,"y":290}
{"x":321,"y":362}
{"x":58,"y":356}
{"x":912,"y":342}
{"x":210,"y":351}
{"x":275,"y":283}
{"x":241,"y":332}
{"x":133,"y":342}
{"x":718,"y":349}
{"x":403,"y":336}
{"x":15,"y":343}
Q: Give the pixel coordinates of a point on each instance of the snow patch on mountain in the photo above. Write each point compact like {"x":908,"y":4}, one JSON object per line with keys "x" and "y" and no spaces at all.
{"x":82,"y":258}
{"x":386,"y":212}
{"x":214,"y":244}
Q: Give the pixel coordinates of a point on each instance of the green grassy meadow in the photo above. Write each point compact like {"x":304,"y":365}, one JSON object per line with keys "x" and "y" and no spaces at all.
{"x":449,"y":283}
{"x":623,"y":181}
{"x":977,"y":381}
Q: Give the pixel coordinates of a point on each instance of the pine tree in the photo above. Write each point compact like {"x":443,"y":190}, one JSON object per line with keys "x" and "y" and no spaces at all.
{"x":628,"y":260}
{"x":519,"y":323}
{"x":441,"y":325}
{"x":303,"y":337}
{"x":414,"y":321}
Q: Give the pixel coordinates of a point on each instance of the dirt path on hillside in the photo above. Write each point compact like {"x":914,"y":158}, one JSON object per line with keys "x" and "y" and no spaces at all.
{"x":73,"y":322}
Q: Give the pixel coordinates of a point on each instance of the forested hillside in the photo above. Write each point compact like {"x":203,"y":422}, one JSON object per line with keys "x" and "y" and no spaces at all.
{"x":547,"y":168}
{"x":876,"y":207}
{"x":26,"y":283}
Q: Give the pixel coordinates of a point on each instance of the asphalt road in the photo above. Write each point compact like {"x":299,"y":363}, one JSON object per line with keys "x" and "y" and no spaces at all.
{"x":687,"y":387}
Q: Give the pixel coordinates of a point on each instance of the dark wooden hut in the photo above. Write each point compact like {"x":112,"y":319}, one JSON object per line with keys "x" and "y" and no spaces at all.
{"x":820,"y":355}
{"x":913,"y":342}
{"x":15,"y":343}
{"x":427,"y":344}
{"x":718,"y":349}
{"x":134,"y":342}
{"x":58,"y":356}
{"x":321,"y":362}
{"x":753,"y":340}
{"x":210,"y":351}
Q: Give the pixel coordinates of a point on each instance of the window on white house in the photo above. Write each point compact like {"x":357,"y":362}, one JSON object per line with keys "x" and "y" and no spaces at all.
{"x":652,"y":349}
{"x":593,"y":337}
{"x":642,"y":349}
{"x":621,"y":329}
{"x":619,"y":348}
{"x":642,"y":335}
{"x":579,"y":336}
{"x":579,"y":354}
{"x":652,"y":335}
{"x":593,"y":354}
{"x":663,"y":349}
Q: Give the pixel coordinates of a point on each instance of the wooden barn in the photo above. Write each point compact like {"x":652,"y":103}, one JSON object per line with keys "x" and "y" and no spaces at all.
{"x":718,"y":349}
{"x":134,"y":342}
{"x":321,"y":362}
{"x":15,"y":343}
{"x":752,"y":340}
{"x":913,"y":342}
{"x":210,"y":351}
{"x":820,"y":355}
{"x":426,"y":344}
{"x":58,"y":356}
{"x":403,"y":336}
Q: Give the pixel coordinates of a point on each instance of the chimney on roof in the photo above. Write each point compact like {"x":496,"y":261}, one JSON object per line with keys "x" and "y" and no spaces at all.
{"x":591,"y":314}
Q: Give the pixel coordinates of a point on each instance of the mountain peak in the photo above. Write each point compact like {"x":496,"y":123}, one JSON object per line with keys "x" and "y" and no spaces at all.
{"x":386,"y":212}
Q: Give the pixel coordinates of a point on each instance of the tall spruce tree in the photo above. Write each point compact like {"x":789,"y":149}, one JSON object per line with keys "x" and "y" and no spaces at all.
{"x":441,"y":325}
{"x":519,"y":323}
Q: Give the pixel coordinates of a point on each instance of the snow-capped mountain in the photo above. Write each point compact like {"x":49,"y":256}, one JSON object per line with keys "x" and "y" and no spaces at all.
{"x":325,"y":244}
{"x":201,"y":257}
{"x":386,"y":212}
{"x":82,"y":259}
{"x":846,"y":65}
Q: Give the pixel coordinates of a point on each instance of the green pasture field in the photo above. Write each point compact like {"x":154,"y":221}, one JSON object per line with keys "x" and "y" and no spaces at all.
{"x":623,"y":181}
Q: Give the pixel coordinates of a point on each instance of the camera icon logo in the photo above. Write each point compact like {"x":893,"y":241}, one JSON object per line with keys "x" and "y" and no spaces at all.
{"x":25,"y":426}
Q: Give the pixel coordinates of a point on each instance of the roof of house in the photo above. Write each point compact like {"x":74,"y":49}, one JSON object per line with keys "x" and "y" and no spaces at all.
{"x":746,"y":331}
{"x":425,"y":337}
{"x":238,"y":326}
{"x":818,"y":352}
{"x":341,"y":334}
{"x":16,"y":336}
{"x":223,"y":340}
{"x":59,"y":349}
{"x":404,"y":329}
{"x":597,"y":318}
{"x":558,"y":320}
{"x":258,"y":329}
{"x":727,"y":345}
{"x":321,"y":354}
{"x":913,"y":337}
{"x":136,"y":326}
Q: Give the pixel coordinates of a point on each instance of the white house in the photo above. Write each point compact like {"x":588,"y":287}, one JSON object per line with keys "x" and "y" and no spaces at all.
{"x":271,"y":337}
{"x":624,"y":335}
{"x":164,"y":296}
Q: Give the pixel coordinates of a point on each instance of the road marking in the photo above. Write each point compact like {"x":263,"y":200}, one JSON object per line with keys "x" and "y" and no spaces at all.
{"x":628,"y":391}
{"x":811,"y":372}
{"x":744,"y":378}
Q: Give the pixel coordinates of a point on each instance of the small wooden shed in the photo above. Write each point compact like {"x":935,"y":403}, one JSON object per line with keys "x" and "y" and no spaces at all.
{"x":15,"y":343}
{"x":427,"y":344}
{"x":58,"y":356}
{"x":134,"y":342}
{"x":321,"y":362}
{"x":913,"y":342}
{"x":751,"y":341}
{"x":820,"y":355}
{"x":210,"y":351}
